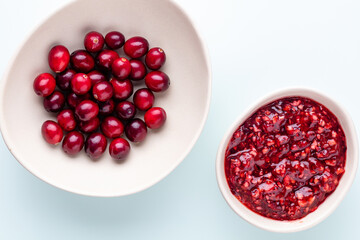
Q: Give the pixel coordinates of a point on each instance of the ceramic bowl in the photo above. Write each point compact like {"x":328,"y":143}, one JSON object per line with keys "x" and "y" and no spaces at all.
{"x":187,"y":100}
{"x":330,"y":204}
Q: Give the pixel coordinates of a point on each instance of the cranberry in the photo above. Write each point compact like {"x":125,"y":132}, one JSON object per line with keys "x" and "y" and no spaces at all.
{"x":44,"y":84}
{"x":86,"y":110}
{"x":114,"y":40}
{"x":52,"y":132}
{"x":155,"y":117}
{"x":122,"y":89}
{"x":112,"y":127}
{"x":143,"y":99}
{"x":66,"y":120}
{"x":80,"y":84}
{"x":89,"y":126}
{"x":55,"y":102}
{"x":63,"y":79}
{"x":73,"y":143}
{"x":96,"y":77}
{"x":136,"y":130}
{"x":102,"y":91}
{"x":94,"y":41}
{"x":58,"y":58}
{"x":125,"y":110}
{"x":119,"y":149}
{"x":73,"y":100}
{"x":106,"y":108}
{"x":138,"y":70}
{"x":82,"y":61}
{"x":95,"y":145}
{"x":155,"y":58}
{"x":106,"y":58}
{"x":136,"y":47}
{"x":121,"y":68}
{"x":157,"y":81}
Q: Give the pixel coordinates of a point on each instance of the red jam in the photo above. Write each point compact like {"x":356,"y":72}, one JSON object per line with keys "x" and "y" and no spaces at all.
{"x":286,"y":159}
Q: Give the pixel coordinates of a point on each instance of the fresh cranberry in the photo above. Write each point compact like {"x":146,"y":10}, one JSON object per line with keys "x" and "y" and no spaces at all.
{"x":138,"y":70}
{"x":143,"y":99}
{"x":136,"y":47}
{"x":52,"y":132}
{"x":58,"y":58}
{"x":96,"y":77}
{"x":66,"y":120}
{"x":95,"y":145}
{"x":63,"y":79}
{"x":106,"y":108}
{"x":73,"y":100}
{"x":155,"y":58}
{"x":55,"y":102}
{"x":103,"y":91}
{"x":73,"y":143}
{"x":44,"y":84}
{"x":82,"y":61}
{"x":114,"y":40}
{"x":112,"y":127}
{"x":94,"y":41}
{"x":119,"y":149}
{"x":155,"y":117}
{"x":86,"y":110}
{"x":121,"y":68}
{"x":125,"y":110}
{"x":157,"y":81}
{"x":81,"y":84}
{"x":89,"y":126}
{"x":136,"y":130}
{"x":106,"y":58}
{"x":122,"y":89}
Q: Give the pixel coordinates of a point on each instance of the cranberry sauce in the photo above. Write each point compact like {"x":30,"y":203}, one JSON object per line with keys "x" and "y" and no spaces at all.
{"x":286,"y":159}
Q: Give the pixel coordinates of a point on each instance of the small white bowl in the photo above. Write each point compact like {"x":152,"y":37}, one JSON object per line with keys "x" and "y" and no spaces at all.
{"x":186,"y":102}
{"x":330,"y":204}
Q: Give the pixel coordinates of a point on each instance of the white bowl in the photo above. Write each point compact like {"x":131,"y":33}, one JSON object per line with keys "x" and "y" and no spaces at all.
{"x":187,"y":100}
{"x":330,"y":204}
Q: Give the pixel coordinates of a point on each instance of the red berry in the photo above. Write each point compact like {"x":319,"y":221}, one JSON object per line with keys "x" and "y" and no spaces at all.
{"x":94,"y":41}
{"x":119,"y":149}
{"x":81,"y":84}
{"x":86,"y":110}
{"x":155,"y":58}
{"x":136,"y":130}
{"x":66,"y":120}
{"x":73,"y":143}
{"x":102,"y":91}
{"x":136,"y":47}
{"x":58,"y":58}
{"x":63,"y":79}
{"x":82,"y":61}
{"x":73,"y":100}
{"x":95,"y":145}
{"x":138,"y":70}
{"x":106,"y":108}
{"x":121,"y":68}
{"x":125,"y":110}
{"x":112,"y":127}
{"x":143,"y":99}
{"x":44,"y":84}
{"x":155,"y":117}
{"x":89,"y":126}
{"x":106,"y":58}
{"x":52,"y":132}
{"x":96,"y":77}
{"x":157,"y":81}
{"x":122,"y":89}
{"x":114,"y":40}
{"x":55,"y":102}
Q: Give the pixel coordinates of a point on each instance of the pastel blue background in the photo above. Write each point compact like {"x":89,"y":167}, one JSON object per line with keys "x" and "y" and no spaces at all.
{"x":255,"y":47}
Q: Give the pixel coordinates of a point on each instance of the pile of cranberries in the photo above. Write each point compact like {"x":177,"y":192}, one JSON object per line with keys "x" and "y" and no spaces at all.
{"x":286,"y":159}
{"x":91,"y":90}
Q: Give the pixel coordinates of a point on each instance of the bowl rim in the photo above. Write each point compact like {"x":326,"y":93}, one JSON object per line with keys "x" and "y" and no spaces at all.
{"x":11,"y":146}
{"x":255,"y":219}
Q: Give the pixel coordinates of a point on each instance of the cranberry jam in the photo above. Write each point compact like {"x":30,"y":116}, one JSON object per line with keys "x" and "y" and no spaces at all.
{"x":286,"y":159}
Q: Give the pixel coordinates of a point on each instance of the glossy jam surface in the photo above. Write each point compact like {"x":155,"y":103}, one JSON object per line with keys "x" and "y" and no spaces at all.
{"x":286,"y":159}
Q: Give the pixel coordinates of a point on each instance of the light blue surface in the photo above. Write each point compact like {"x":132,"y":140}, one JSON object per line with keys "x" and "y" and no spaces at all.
{"x":256,"y":47}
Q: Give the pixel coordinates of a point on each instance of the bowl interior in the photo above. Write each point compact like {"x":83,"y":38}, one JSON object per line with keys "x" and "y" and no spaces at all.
{"x":186,"y":101}
{"x":329,"y":205}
